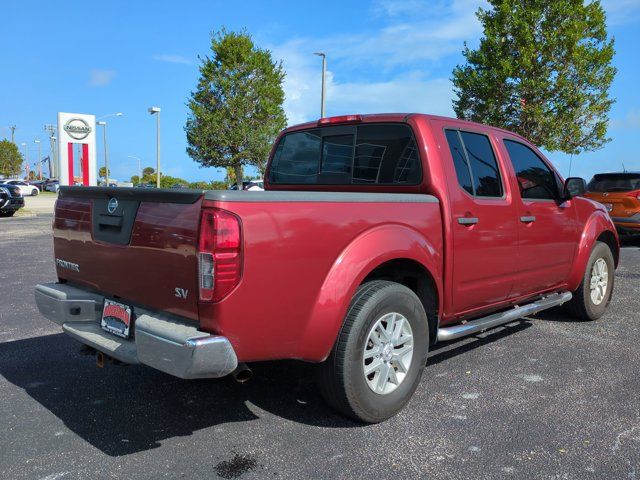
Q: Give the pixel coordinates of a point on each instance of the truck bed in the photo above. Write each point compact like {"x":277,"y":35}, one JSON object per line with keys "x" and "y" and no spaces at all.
{"x":291,"y":244}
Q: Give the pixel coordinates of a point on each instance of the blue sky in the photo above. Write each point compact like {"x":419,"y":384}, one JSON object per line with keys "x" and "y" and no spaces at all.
{"x":383,"y":56}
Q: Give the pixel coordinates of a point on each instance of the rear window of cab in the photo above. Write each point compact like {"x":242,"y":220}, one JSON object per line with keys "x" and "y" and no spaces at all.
{"x":373,"y":154}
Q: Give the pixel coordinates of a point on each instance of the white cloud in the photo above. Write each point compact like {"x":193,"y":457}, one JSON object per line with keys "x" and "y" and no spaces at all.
{"x":622,"y":11}
{"x":173,"y":59}
{"x":412,"y":91}
{"x":630,"y":121}
{"x":416,"y":31}
{"x":397,"y":59}
{"x":100,"y":78}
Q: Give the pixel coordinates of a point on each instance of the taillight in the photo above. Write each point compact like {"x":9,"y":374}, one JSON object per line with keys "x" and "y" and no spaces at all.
{"x":635,"y":193}
{"x":219,"y":254}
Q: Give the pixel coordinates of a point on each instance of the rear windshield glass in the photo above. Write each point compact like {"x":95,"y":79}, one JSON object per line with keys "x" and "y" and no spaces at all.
{"x":614,"y":182}
{"x":379,"y":154}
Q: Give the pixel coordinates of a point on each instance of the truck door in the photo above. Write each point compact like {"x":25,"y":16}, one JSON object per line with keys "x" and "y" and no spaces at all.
{"x":484,"y":230}
{"x":547,"y":228}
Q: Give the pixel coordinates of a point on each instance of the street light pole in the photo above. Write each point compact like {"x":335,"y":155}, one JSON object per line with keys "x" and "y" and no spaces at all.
{"x":156,"y":111}
{"x":324,"y":75}
{"x":39,"y":159}
{"x":106,"y":148}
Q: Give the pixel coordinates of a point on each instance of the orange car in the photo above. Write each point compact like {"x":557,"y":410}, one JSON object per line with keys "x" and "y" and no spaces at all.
{"x":620,"y":193}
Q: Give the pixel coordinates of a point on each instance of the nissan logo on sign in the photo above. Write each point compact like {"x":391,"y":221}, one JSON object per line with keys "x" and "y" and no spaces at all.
{"x":77,"y":128}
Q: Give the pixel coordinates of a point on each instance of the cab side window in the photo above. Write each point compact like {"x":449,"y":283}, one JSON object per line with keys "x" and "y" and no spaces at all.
{"x":475,"y":163}
{"x":535,"y":178}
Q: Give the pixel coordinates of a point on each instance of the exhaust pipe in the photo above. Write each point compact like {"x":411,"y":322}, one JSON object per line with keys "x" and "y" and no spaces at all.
{"x":242,"y":373}
{"x":100,"y":359}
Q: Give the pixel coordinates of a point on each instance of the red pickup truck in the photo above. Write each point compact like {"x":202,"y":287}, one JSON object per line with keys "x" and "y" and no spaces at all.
{"x":377,"y":236}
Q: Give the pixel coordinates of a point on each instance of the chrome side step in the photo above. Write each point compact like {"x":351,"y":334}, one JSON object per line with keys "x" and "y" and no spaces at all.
{"x":497,"y":319}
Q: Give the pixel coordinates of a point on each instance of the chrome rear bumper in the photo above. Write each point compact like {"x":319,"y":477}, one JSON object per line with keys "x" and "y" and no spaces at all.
{"x":160,"y":341}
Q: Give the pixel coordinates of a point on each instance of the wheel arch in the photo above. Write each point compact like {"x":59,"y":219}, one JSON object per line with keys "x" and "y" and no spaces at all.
{"x":375,"y":254}
{"x":599,"y":227}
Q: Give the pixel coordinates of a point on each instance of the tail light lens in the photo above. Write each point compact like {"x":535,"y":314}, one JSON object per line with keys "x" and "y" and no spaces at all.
{"x":635,"y":193}
{"x":219,"y":254}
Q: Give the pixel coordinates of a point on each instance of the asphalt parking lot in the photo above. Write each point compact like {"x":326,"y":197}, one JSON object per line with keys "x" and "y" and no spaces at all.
{"x":541,"y":398}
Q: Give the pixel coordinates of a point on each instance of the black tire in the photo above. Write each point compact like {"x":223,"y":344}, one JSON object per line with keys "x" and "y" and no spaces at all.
{"x":7,"y":213}
{"x":341,"y":377}
{"x":581,"y":305}
{"x":35,"y":192}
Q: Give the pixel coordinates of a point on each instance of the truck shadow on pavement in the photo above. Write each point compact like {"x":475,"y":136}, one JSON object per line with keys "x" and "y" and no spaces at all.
{"x":127,"y":409}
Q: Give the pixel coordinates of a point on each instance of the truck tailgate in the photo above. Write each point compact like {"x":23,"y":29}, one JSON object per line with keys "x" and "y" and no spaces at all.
{"x":134,"y":244}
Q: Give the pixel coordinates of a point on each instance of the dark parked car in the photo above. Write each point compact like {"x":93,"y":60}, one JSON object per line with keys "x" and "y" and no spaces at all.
{"x":39,"y":184}
{"x":11,"y":200}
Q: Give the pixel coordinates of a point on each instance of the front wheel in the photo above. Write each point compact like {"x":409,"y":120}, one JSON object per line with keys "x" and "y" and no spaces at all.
{"x":592,"y":297}
{"x":377,"y":361}
{"x":7,"y":213}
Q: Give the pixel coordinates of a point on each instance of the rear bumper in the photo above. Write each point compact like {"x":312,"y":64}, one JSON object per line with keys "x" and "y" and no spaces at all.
{"x":633,"y":220}
{"x":160,"y":341}
{"x":627,"y":224}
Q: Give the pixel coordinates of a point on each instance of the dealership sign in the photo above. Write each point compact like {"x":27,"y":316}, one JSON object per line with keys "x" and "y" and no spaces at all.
{"x":76,"y":163}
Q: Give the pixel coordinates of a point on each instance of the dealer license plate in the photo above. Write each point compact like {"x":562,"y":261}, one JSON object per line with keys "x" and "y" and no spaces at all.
{"x":116,"y":318}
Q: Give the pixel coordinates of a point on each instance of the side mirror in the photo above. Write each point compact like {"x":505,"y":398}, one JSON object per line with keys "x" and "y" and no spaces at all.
{"x":574,"y":187}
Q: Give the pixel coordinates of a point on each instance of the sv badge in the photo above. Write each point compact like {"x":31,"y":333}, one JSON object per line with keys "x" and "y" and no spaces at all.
{"x":181,"y":293}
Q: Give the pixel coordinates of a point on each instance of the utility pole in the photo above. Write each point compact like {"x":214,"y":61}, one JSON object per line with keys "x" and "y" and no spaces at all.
{"x":324,"y":76}
{"x":54,"y":151}
{"x":13,"y":133}
{"x":26,"y":156}
{"x":39,"y":159}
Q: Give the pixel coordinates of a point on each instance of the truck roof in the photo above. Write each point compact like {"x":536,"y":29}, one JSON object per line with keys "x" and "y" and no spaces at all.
{"x":395,"y":117}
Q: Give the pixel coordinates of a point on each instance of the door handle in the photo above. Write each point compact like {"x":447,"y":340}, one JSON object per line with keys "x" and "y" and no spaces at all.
{"x":467,"y":220}
{"x":528,"y":219}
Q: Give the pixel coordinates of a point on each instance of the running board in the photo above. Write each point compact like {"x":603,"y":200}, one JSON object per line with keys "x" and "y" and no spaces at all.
{"x":497,"y":319}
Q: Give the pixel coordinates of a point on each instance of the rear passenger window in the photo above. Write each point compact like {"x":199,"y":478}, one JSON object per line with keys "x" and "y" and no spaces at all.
{"x":295,"y":160}
{"x":384,"y":154}
{"x":535,"y":178}
{"x":459,"y":160}
{"x":475,"y":163}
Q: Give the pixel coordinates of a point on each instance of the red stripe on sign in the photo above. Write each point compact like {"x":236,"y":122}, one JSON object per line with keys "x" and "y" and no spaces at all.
{"x":85,"y":164}
{"x":70,"y":163}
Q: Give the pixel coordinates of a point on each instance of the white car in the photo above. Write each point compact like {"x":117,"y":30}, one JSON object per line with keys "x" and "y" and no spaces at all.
{"x":24,"y":187}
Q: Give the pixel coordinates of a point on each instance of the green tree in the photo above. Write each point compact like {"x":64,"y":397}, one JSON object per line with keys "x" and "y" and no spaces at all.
{"x":102,"y":172}
{"x":543,"y":69}
{"x":236,"y":109}
{"x":10,"y":159}
{"x":148,"y":171}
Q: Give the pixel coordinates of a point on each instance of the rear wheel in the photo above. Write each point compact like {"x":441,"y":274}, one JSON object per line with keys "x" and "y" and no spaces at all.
{"x":35,"y":192}
{"x":592,"y":297}
{"x":378,"y":359}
